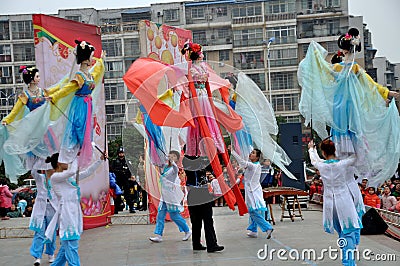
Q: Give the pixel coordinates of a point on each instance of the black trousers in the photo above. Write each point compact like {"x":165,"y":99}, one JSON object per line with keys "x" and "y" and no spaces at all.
{"x":200,"y":209}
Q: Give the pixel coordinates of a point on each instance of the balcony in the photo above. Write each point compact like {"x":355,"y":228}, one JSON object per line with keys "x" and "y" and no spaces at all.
{"x":247,"y":20}
{"x":249,"y":42}
{"x":283,"y":16}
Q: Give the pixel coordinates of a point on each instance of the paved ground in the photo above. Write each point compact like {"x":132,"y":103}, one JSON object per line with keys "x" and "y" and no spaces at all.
{"x":129,"y":244}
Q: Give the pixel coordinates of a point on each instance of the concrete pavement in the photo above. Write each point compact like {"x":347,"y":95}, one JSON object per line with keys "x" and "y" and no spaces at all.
{"x":129,"y":244}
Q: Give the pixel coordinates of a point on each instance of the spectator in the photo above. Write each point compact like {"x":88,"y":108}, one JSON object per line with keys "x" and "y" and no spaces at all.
{"x":267,"y":174}
{"x":133,"y":194}
{"x":14,"y":212}
{"x":388,"y":201}
{"x":5,"y":199}
{"x":389,"y":184}
{"x":21,"y":203}
{"x":120,"y":168}
{"x":215,"y":190}
{"x":396,"y":192}
{"x":142,"y":183}
{"x":115,"y":192}
{"x":364,"y":184}
{"x":315,"y":187}
{"x":371,"y":199}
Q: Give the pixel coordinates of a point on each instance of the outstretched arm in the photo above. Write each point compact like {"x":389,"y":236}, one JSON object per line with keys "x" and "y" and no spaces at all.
{"x":89,"y":171}
{"x":59,"y":176}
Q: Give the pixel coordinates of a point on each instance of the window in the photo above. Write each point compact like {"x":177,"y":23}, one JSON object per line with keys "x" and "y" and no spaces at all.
{"x":333,"y":3}
{"x":113,"y":47}
{"x":247,"y":11}
{"x":115,"y":113}
{"x":286,"y":34}
{"x":171,"y":15}
{"x":224,"y":33}
{"x":259,"y":79}
{"x":307,"y":4}
{"x":283,"y":80}
{"x":283,"y":57}
{"x":221,"y":11}
{"x":197,"y":13}
{"x":249,"y":60}
{"x":333,"y":27}
{"x":114,"y":69}
{"x":199,"y":36}
{"x":7,"y":97}
{"x":131,"y":47}
{"x":114,"y":91}
{"x":114,"y":131}
{"x":332,"y":47}
{"x":305,"y":48}
{"x":74,"y":18}
{"x":4,"y":30}
{"x":5,"y":53}
{"x":248,"y":37}
{"x":286,"y":102}
{"x":224,"y":55}
{"x":6,"y":74}
{"x":22,"y":29}
{"x":24,"y":52}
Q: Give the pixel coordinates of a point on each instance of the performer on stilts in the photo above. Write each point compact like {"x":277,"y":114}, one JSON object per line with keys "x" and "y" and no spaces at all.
{"x":253,"y":194}
{"x":345,"y":98}
{"x":338,"y":214}
{"x":171,"y":199}
{"x":78,"y":133}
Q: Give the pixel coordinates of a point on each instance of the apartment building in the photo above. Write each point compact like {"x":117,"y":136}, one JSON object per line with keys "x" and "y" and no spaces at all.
{"x":234,"y":33}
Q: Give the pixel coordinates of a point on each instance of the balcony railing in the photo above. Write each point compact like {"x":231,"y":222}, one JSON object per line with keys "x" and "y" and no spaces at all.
{"x":283,"y":16}
{"x":119,"y":28}
{"x":246,"y":20}
{"x":249,"y":42}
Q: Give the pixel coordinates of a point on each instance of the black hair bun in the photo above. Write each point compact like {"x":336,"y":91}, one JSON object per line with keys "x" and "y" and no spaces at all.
{"x":353,"y":32}
{"x":48,"y":159}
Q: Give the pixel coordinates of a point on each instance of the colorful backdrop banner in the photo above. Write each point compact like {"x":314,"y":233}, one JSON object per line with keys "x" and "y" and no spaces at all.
{"x":54,"y":44}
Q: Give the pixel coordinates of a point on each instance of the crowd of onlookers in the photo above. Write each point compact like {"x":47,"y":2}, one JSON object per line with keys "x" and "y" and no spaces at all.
{"x":17,"y":204}
{"x":386,"y":196}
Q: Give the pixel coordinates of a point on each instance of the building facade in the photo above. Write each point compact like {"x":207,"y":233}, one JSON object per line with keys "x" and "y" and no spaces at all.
{"x":234,"y":33}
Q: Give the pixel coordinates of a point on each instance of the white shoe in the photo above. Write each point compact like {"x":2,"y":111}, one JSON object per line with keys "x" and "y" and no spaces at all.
{"x":187,"y":235}
{"x":156,"y":239}
{"x":269,"y":233}
{"x":51,"y":258}
{"x":252,"y":234}
{"x":37,"y":262}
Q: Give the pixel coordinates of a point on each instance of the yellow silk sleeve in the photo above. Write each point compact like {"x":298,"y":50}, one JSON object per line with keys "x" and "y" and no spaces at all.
{"x":22,"y":100}
{"x":383,"y":91}
{"x":98,"y":70}
{"x":71,"y":87}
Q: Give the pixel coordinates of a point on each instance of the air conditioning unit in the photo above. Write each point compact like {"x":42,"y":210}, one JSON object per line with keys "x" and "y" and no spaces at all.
{"x":159,"y":14}
{"x":221,"y":64}
{"x":308,"y":11}
{"x":212,"y":37}
{"x":209,"y":17}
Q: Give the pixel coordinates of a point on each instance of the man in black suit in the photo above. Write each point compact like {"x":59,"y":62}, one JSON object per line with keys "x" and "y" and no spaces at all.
{"x":200,"y":203}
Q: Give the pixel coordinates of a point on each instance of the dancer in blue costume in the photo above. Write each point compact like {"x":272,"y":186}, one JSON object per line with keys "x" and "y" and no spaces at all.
{"x":78,"y":133}
{"x":343,"y":97}
{"x":29,"y":100}
{"x":338,"y":214}
{"x":171,"y":199}
{"x":254,"y":194}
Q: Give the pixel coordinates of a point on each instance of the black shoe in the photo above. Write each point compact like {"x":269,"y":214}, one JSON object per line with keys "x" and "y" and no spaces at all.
{"x":201,"y":247}
{"x":215,"y":249}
